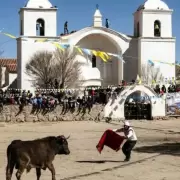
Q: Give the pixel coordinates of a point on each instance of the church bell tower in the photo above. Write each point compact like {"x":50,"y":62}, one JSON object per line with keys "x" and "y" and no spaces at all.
{"x":38,"y":18}
{"x":153,"y":30}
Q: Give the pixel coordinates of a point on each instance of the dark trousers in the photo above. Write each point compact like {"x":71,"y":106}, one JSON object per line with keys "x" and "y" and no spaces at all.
{"x":127,"y":148}
{"x":66,"y":30}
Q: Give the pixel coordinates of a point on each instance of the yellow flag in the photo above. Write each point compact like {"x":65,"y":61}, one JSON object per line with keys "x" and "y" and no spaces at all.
{"x":58,"y":46}
{"x":106,"y":55}
{"x":153,"y":81}
{"x":94,"y":52}
{"x":101,"y":55}
{"x":79,"y":50}
{"x":9,"y":35}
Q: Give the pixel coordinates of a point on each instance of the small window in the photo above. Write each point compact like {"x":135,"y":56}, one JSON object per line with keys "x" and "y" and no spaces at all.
{"x":93,"y":61}
{"x":157,"y":28}
{"x":21,"y":28}
{"x":40,"y":27}
{"x":138,"y":29}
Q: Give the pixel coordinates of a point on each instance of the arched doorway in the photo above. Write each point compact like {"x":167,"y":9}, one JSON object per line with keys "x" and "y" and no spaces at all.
{"x":138,"y":106}
{"x":40,"y":27}
{"x":111,"y":71}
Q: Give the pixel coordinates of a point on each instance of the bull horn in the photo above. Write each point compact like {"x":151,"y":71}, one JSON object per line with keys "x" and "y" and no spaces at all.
{"x":68,"y":137}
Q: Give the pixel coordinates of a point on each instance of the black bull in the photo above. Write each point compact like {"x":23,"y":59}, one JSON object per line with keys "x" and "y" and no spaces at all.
{"x":39,"y":154}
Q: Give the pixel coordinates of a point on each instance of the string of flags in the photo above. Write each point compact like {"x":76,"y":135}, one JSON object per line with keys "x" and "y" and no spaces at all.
{"x":151,"y":62}
{"x":154,"y":82}
{"x":105,"y":56}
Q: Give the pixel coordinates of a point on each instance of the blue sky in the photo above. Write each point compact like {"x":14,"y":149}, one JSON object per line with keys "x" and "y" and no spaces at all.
{"x":79,"y":14}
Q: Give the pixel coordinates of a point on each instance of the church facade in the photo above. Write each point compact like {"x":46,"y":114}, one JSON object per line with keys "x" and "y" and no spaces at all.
{"x":152,"y":40}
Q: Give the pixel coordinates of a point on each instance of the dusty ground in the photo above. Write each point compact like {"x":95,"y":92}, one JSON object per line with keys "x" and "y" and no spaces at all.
{"x":160,"y":161}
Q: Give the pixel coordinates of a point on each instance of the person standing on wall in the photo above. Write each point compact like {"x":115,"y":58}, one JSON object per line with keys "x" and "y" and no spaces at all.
{"x":107,"y":23}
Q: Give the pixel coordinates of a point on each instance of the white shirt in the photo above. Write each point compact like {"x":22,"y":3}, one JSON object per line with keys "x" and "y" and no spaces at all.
{"x":130,"y":134}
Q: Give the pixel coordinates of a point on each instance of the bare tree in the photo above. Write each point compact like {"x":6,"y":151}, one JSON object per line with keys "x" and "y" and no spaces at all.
{"x":145,"y":74}
{"x":67,"y":68}
{"x":151,"y":74}
{"x":40,"y":68}
{"x":46,"y":67}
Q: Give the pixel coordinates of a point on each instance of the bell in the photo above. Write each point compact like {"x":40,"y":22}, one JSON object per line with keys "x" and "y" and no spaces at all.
{"x":156,"y":26}
{"x":38,"y":25}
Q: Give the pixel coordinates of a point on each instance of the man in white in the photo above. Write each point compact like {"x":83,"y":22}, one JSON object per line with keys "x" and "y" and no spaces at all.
{"x":131,"y":137}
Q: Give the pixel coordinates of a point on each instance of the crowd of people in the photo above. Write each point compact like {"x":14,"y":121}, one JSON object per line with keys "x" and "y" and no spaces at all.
{"x":47,"y":100}
{"x":163,"y":89}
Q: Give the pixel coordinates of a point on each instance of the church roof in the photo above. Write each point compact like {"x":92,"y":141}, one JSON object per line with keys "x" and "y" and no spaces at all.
{"x":91,"y":28}
{"x":154,"y":5}
{"x":38,"y":4}
{"x":10,"y":64}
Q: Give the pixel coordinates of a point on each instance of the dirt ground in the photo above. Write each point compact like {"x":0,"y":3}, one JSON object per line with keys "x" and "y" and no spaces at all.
{"x":159,"y":161}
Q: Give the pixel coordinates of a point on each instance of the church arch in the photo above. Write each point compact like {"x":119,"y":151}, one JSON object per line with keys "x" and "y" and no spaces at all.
{"x":115,"y":108}
{"x":108,"y":70}
{"x":40,"y":27}
{"x":157,"y":28}
{"x":138,"y":106}
{"x":102,"y":34}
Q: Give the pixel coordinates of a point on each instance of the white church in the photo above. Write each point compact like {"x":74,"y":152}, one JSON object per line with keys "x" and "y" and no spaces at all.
{"x":152,"y":40}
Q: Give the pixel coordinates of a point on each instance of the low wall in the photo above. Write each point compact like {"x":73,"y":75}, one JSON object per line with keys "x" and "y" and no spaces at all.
{"x":10,"y":114}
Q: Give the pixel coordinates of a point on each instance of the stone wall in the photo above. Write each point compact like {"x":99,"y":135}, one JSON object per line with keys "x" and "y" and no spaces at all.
{"x":10,"y":114}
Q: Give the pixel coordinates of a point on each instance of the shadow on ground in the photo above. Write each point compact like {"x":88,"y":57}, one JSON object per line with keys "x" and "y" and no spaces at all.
{"x":107,"y":169}
{"x":165,"y":148}
{"x":99,"y":162}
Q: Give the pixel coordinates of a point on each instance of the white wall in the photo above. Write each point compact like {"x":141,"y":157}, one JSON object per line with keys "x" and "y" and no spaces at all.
{"x":26,"y":49}
{"x":89,"y":76}
{"x":3,"y":78}
{"x":12,"y":77}
{"x":158,"y":49}
{"x":131,"y":61}
{"x":30,"y":16}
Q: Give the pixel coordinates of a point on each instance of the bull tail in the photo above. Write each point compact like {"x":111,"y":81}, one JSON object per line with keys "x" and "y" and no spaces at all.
{"x":10,"y":164}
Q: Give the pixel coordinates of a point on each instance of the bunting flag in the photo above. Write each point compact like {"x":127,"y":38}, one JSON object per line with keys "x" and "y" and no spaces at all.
{"x":105,"y":56}
{"x":171,"y":64}
{"x":58,"y":46}
{"x":153,"y":81}
{"x":9,"y":35}
{"x":79,"y":50}
{"x":150,"y":63}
